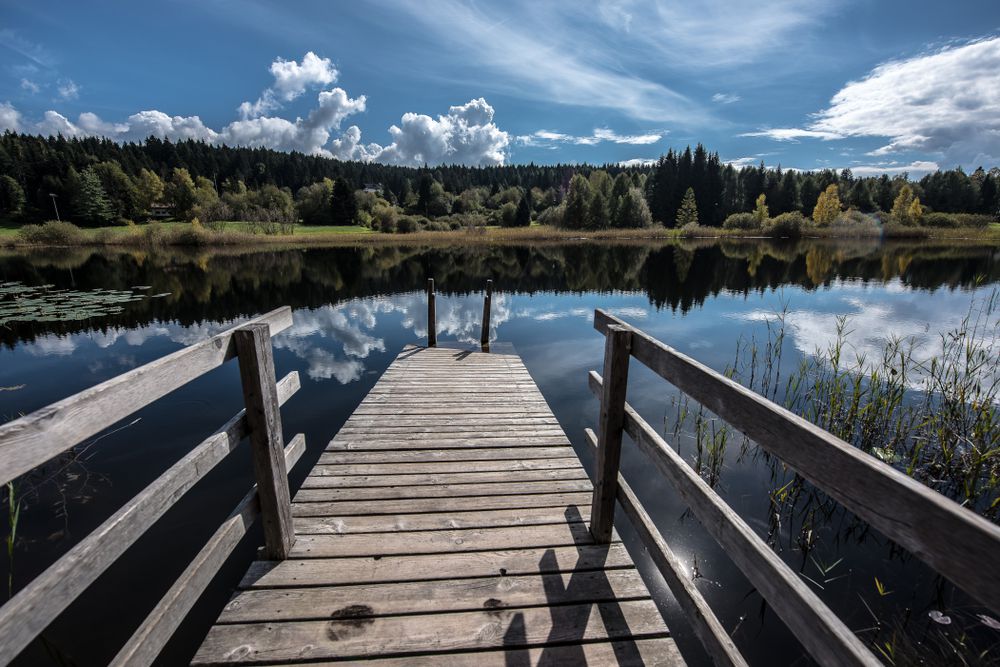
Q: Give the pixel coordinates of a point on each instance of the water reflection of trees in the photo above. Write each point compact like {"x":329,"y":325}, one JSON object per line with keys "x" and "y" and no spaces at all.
{"x":225,"y":284}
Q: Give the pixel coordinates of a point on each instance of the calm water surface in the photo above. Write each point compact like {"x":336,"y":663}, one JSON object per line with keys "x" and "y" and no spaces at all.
{"x":354,"y":309}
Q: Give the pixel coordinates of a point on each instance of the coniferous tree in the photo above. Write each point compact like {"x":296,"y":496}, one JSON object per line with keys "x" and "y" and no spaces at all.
{"x":577,"y":202}
{"x":343,"y":205}
{"x":91,"y":205}
{"x":523,"y":217}
{"x":687,"y":214}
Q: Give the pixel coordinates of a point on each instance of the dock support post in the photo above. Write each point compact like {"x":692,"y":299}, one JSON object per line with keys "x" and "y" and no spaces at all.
{"x":260,"y":396}
{"x":484,"y":339}
{"x":617,"y":351}
{"x":432,"y":337}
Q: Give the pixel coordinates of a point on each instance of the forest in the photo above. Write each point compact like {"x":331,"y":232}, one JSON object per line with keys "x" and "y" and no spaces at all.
{"x":97,"y":182}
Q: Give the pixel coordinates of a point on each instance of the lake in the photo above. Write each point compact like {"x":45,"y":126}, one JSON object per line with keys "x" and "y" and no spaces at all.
{"x":355,"y":308}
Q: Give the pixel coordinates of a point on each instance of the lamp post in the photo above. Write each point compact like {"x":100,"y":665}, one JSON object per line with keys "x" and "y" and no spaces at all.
{"x":53,"y":195}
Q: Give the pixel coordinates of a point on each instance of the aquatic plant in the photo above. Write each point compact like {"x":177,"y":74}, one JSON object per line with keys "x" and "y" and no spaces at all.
{"x":43,"y":303}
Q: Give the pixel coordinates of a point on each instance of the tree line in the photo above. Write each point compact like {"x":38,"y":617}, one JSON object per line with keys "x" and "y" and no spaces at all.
{"x":95,"y":181}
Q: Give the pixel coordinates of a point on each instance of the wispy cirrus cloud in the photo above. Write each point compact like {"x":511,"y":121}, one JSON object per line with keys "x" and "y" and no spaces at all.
{"x":599,"y":135}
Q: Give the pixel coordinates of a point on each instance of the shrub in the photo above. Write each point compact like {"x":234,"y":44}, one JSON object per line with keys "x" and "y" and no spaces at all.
{"x":105,"y":236}
{"x":746,"y":221}
{"x":52,"y":232}
{"x":693,"y":229}
{"x":857,"y":222}
{"x":786,"y":225}
{"x":406,"y":224}
{"x":552,"y":216}
{"x":508,"y":215}
{"x":954,"y":220}
{"x":191,"y":236}
{"x":153,"y":234}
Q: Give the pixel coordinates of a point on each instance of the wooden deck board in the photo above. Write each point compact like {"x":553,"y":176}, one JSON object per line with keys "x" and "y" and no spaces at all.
{"x":446,"y":523}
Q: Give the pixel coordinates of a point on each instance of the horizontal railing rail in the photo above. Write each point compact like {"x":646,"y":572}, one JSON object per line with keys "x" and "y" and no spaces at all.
{"x":32,"y":440}
{"x":952,"y":539}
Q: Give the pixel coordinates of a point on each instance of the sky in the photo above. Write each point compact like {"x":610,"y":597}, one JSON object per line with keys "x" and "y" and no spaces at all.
{"x":883,"y":86}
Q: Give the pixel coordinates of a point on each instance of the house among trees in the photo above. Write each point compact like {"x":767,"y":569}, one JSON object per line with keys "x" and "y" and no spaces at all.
{"x":159,"y":211}
{"x":374,"y":188}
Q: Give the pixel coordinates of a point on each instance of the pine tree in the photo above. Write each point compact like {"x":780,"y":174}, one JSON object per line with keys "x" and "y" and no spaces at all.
{"x":687,"y":214}
{"x":597,"y":211}
{"x":523,"y":216}
{"x":343,"y":205}
{"x":827,"y":206}
{"x":91,"y":205}
{"x":577,"y":202}
{"x":760,"y":211}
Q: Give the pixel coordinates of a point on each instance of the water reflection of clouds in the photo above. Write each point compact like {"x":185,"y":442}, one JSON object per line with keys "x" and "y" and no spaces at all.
{"x":875,"y":316}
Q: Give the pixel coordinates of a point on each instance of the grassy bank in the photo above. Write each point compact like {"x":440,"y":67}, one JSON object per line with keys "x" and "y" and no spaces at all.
{"x":236,"y":234}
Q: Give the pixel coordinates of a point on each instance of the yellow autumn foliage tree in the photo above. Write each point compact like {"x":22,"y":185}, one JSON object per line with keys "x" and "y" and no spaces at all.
{"x":827,"y":206}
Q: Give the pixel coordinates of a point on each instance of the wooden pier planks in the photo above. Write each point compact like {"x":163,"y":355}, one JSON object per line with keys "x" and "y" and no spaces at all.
{"x":446,"y":523}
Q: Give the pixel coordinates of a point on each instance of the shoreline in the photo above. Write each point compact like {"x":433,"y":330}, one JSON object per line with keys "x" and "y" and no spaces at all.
{"x":134,"y":237}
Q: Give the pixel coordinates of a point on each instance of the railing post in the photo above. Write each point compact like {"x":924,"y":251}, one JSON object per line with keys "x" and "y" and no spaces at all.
{"x":617,"y":350}
{"x":484,"y":339}
{"x":432,"y":337}
{"x":260,"y":396}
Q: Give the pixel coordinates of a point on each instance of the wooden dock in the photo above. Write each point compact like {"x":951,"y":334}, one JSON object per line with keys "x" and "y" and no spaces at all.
{"x":446,"y":523}
{"x":450,"y":521}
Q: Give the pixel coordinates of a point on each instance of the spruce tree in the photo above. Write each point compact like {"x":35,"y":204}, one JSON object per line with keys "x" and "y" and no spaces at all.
{"x":343,"y":205}
{"x":687,"y":214}
{"x":523,"y":216}
{"x":91,"y":205}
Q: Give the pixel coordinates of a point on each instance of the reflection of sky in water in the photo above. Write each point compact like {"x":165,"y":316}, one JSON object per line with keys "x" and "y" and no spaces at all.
{"x":333,"y":341}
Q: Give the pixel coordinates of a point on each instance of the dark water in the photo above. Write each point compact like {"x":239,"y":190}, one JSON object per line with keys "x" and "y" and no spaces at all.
{"x":353,"y":311}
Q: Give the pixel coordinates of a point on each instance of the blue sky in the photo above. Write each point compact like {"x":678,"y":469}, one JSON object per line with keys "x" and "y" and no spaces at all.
{"x":883,"y":86}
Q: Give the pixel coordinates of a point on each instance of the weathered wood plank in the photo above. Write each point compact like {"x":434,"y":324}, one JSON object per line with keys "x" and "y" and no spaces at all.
{"x":491,"y":518}
{"x":324,"y":469}
{"x":439,"y":505}
{"x":480,"y":454}
{"x":950,"y":538}
{"x":154,"y":632}
{"x":483,"y":441}
{"x":431,"y":315}
{"x":30,"y":441}
{"x":256,"y":360}
{"x":371,"y":600}
{"x":36,"y":605}
{"x":335,"y":571}
{"x":399,"y":635}
{"x":441,"y":541}
{"x":654,"y":652}
{"x":443,"y":479}
{"x":444,"y":491}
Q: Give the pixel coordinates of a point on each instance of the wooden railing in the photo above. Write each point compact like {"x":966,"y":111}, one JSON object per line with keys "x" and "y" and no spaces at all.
{"x":32,"y":440}
{"x":959,"y":544}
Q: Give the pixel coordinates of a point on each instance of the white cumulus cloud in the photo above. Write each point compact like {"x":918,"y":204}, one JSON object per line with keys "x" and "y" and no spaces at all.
{"x":944,"y":102}
{"x":466,"y":134}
